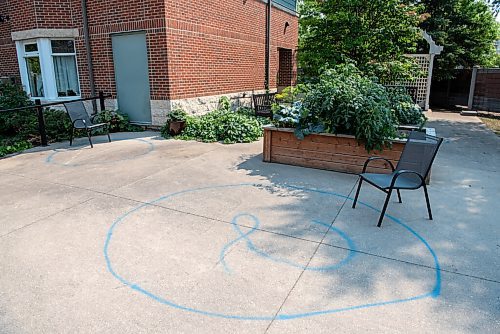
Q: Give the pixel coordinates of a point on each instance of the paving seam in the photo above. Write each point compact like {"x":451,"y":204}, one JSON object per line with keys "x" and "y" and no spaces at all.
{"x":310,"y":259}
{"x":44,"y":218}
{"x":258,"y":229}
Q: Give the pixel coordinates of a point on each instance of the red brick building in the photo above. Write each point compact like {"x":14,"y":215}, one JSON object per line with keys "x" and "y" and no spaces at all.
{"x":151,"y":55}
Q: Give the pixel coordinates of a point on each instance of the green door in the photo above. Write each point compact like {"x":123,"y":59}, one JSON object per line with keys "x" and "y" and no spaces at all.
{"x":130,"y":57}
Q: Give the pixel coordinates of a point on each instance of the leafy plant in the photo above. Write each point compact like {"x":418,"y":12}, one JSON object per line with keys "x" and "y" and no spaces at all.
{"x":291,"y":94}
{"x":224,"y":103}
{"x":6,"y":148}
{"x":222,"y":125}
{"x":406,"y":111}
{"x":178,"y":115}
{"x":118,"y":122}
{"x":343,"y":101}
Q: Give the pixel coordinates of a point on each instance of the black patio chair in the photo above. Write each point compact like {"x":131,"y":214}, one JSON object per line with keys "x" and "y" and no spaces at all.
{"x":410,"y":173}
{"x":82,"y":121}
{"x":263,"y":104}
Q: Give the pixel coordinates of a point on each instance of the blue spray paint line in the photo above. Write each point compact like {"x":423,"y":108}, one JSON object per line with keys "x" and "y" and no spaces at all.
{"x":437,"y":287}
{"x":251,"y":246}
{"x":434,"y":293}
{"x":50,"y":157}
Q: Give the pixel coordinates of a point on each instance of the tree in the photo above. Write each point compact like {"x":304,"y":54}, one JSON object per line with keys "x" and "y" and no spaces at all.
{"x":373,"y":34}
{"x":467,"y":30}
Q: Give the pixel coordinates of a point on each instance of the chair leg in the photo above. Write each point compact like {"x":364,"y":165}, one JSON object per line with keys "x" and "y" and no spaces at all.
{"x":71,"y":137}
{"x":382,"y":214}
{"x":357,"y":193}
{"x":89,"y":134}
{"x":109,"y":138}
{"x":427,"y":200}
{"x":399,"y":196}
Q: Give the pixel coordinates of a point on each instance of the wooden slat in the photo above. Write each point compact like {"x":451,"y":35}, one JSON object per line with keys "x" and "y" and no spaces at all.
{"x":268,"y":134}
{"x":331,"y":157}
{"x":348,"y":146}
{"x":327,"y":165}
{"x":330,"y":152}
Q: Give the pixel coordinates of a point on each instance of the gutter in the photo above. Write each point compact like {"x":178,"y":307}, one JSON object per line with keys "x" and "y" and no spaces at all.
{"x":86,"y":37}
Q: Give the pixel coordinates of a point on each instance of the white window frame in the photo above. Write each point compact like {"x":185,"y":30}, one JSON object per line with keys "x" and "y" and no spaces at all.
{"x":47,"y":67}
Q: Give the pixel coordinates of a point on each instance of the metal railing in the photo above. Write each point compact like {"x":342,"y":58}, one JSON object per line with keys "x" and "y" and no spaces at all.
{"x":39,"y":110}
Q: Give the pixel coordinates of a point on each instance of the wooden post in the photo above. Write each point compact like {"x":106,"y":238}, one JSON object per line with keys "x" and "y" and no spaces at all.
{"x":266,"y":156}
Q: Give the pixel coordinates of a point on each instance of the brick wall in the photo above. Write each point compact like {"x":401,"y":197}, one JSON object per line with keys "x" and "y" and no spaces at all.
{"x":196,"y":48}
{"x":216,"y":47}
{"x":8,"y":56}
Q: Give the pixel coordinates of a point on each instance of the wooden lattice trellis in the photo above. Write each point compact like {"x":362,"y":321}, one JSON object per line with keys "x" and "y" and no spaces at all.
{"x":422,"y":83}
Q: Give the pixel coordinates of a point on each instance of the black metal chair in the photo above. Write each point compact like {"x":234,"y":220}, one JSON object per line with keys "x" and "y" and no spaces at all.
{"x":263,"y":104}
{"x":82,"y":121}
{"x":410,"y":173}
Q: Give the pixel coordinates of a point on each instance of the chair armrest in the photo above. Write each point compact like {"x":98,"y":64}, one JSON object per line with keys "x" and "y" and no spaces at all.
{"x":405,"y":171}
{"x":377,"y":158}
{"x":80,"y":119}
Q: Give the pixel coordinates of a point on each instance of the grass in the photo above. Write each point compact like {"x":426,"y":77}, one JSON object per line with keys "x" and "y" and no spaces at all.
{"x":493,"y":124}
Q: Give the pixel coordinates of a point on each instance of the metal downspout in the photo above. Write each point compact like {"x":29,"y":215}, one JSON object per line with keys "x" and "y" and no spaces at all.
{"x":268,"y":45}
{"x":86,"y":37}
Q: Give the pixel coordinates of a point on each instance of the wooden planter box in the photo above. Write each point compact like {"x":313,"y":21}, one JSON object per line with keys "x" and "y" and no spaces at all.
{"x":340,"y":153}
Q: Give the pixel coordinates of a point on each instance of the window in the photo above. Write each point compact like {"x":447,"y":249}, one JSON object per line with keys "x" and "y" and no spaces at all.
{"x":34,"y":71}
{"x":49,"y":68}
{"x":66,"y":75}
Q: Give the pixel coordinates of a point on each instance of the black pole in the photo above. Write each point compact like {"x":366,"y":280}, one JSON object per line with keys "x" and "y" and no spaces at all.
{"x":101,"y":100}
{"x":268,"y":45}
{"x":90,"y":66}
{"x":41,"y":122}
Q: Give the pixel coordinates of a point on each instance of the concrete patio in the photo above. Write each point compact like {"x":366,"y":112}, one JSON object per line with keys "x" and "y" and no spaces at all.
{"x":151,"y":235}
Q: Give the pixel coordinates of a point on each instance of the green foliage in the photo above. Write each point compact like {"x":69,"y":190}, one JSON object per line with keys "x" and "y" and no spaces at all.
{"x":343,"y":101}
{"x":177,"y":115}
{"x":467,"y":30}
{"x":57,"y":125}
{"x":406,"y":111}
{"x":291,"y":94}
{"x":222,"y":125}
{"x":6,"y":148}
{"x":373,"y":34}
{"x":13,"y":96}
{"x":225,"y":103}
{"x":118,"y":122}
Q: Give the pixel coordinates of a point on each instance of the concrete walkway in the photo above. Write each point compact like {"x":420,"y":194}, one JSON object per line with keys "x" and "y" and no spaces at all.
{"x":147,"y":235}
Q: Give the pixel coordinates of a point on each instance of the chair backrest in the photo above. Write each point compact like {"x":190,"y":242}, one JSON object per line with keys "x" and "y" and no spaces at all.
{"x":419,"y":153}
{"x":77,"y":113}
{"x":263,"y":103}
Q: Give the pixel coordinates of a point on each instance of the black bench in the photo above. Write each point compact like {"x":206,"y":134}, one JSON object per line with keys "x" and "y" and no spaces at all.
{"x":262,"y":104}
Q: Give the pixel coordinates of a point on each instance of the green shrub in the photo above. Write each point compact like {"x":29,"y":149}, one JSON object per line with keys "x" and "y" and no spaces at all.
{"x":222,"y":125}
{"x":22,"y":124}
{"x":177,"y":115}
{"x":406,"y":111}
{"x":57,"y":125}
{"x":118,"y":122}
{"x":6,"y":148}
{"x":224,"y":103}
{"x":347,"y":102}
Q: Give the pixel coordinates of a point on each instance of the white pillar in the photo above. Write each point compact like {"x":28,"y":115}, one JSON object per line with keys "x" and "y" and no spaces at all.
{"x":472,"y":88}
{"x":429,"y":82}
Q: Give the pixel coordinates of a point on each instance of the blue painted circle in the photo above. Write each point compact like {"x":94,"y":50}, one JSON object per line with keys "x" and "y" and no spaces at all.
{"x":435,"y":292}
{"x":50,"y":159}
